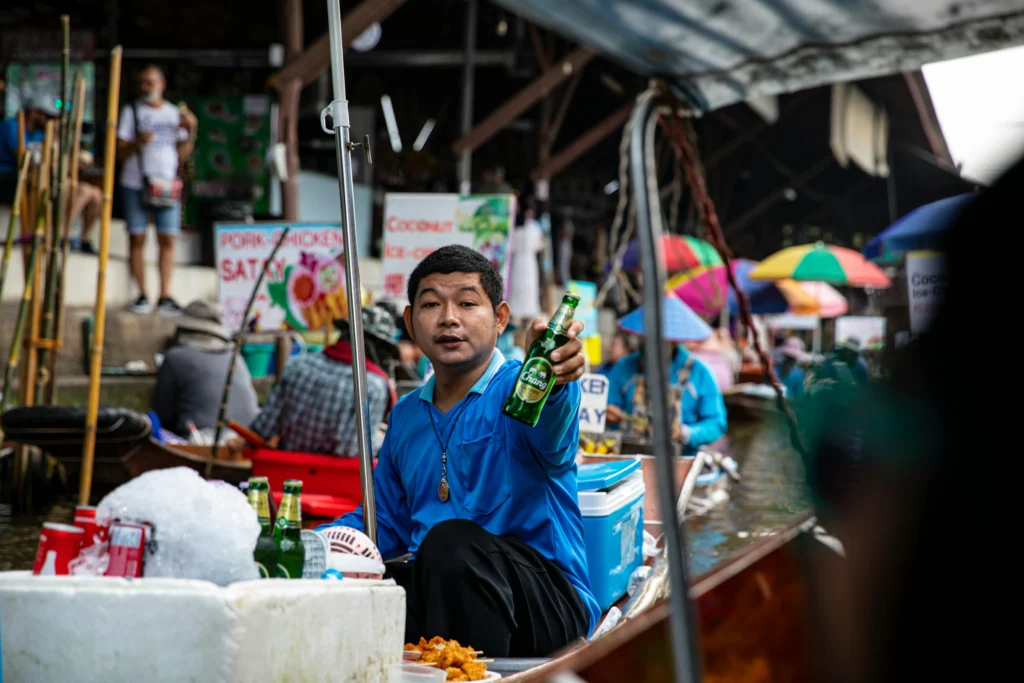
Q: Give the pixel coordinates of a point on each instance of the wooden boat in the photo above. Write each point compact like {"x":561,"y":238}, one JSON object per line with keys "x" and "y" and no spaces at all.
{"x":126,"y":448}
{"x":750,"y":402}
{"x":760,"y":585}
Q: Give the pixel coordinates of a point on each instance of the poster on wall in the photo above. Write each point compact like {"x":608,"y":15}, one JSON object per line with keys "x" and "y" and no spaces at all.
{"x":26,"y":81}
{"x":305,"y":284}
{"x":417,"y":224}
{"x":585,"y":312}
{"x":866,"y":329}
{"x":926,"y":287}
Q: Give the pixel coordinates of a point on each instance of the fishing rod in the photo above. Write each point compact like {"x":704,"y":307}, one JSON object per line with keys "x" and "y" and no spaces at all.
{"x":239,"y":342}
{"x":341,"y":130}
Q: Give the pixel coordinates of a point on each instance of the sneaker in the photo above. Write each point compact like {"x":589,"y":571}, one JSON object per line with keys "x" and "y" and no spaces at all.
{"x":141,"y":306}
{"x":168,"y":307}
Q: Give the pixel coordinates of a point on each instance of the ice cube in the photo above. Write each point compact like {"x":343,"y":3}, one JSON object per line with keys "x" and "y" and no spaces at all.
{"x":202,"y":530}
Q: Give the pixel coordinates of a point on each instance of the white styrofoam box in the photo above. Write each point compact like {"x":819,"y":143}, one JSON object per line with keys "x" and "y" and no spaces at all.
{"x":87,"y":629}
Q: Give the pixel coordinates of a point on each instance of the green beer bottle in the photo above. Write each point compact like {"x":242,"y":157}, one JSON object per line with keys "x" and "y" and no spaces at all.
{"x":265,"y":554}
{"x":291,"y":554}
{"x":537,"y":377}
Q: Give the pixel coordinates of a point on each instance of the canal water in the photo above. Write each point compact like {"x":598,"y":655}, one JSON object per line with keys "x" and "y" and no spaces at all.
{"x":769,"y":495}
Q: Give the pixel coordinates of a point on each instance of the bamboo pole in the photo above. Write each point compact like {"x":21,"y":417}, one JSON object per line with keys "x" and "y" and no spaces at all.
{"x":100,"y":313}
{"x":15,"y":218}
{"x":31,"y":367}
{"x":78,"y":106}
{"x":47,"y":342}
{"x":239,"y":342}
{"x":27,"y":210}
{"x":23,"y":309}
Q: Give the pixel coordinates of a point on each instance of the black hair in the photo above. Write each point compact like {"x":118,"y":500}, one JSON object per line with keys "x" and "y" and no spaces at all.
{"x":456,"y":258}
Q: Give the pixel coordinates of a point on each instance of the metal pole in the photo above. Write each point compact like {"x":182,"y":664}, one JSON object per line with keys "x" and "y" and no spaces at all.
{"x":343,"y":147}
{"x":468,"y":77}
{"x":685,"y":654}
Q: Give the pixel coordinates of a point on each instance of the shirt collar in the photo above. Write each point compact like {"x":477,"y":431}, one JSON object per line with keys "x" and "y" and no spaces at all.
{"x":497,"y":360}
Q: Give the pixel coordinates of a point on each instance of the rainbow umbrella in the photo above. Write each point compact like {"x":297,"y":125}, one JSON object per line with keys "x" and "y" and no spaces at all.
{"x":679,"y":322}
{"x":704,"y":288}
{"x":818,"y":261}
{"x":767,"y":298}
{"x":830,"y":303}
{"x":681,"y":253}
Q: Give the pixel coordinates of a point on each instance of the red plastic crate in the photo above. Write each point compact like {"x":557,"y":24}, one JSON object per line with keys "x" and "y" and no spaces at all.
{"x":330,"y":484}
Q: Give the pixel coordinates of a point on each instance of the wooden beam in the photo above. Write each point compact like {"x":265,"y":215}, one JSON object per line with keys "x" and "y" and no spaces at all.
{"x":584,"y":143}
{"x":918,"y":90}
{"x":523,"y":100}
{"x":538,"y":48}
{"x":563,"y":107}
{"x":773,"y":197}
{"x":317,"y":56}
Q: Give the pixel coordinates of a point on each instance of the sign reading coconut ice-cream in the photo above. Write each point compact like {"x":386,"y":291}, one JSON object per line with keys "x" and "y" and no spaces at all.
{"x":926,"y":287}
{"x":304,"y":288}
{"x":417,"y":224}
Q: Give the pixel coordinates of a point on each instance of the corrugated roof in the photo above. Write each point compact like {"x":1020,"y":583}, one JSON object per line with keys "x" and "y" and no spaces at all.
{"x":719,"y":52}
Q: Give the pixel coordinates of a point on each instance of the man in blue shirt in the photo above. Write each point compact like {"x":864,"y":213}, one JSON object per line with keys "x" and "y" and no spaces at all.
{"x":485,"y":504}
{"x":37,"y":112}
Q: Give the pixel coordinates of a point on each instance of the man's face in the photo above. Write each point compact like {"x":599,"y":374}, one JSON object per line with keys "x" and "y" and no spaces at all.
{"x":151,"y":83}
{"x":453,"y":321}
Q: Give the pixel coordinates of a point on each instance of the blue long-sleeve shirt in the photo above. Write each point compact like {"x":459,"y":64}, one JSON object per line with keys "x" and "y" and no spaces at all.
{"x":702,"y":408}
{"x":9,"y":144}
{"x":793,"y":379}
{"x":505,"y":476}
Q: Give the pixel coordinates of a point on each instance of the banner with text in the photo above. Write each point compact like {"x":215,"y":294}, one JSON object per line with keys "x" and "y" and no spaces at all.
{"x":585,"y":312}
{"x":305,"y":285}
{"x":417,"y":224}
{"x":594,"y":403}
{"x":926,"y":287}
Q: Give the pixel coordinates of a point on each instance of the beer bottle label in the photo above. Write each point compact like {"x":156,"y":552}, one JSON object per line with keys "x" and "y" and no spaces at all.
{"x":536,"y":376}
{"x":264,"y":574}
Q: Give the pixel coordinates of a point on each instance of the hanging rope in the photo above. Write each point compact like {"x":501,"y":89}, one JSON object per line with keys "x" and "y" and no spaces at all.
{"x":681,"y":131}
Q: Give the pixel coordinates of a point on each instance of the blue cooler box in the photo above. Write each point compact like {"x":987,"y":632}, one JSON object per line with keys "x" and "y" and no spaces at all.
{"x":611,"y":498}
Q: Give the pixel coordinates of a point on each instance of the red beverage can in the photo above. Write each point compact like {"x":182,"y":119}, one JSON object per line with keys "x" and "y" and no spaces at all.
{"x":58,"y":545}
{"x":128,"y":548}
{"x":95,"y":530}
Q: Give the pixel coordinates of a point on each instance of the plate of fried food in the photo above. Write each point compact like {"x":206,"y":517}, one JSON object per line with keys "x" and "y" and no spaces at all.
{"x":459,"y":663}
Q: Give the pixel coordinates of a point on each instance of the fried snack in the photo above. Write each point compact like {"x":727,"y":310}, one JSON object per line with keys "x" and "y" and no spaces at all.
{"x":458,"y":662}
{"x":475,"y":670}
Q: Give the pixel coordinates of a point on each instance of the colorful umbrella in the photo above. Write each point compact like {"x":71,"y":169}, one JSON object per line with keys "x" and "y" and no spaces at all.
{"x":681,"y":252}
{"x":704,"y":288}
{"x":830,"y":303}
{"x":922,"y":228}
{"x":767,"y":298}
{"x":679,"y":322}
{"x":818,"y":261}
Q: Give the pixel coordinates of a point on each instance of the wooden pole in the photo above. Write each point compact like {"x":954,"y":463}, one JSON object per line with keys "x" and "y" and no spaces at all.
{"x":23,"y":308}
{"x":45,"y":216}
{"x":15,"y":217}
{"x":59,"y":201}
{"x":76,"y":142}
{"x":100,"y":311}
{"x":239,"y":342}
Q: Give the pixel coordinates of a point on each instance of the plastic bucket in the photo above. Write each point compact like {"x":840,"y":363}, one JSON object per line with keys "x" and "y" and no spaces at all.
{"x":258,"y":358}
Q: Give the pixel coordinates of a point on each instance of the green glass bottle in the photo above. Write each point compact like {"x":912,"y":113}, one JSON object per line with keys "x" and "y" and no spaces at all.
{"x":265,"y":554}
{"x":537,"y":377}
{"x":291,"y":554}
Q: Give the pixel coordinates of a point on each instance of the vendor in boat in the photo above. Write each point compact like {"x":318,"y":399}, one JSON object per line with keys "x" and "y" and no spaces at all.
{"x":486,"y":505}
{"x":312,"y":408}
{"x":190,"y":384}
{"x":790,"y":370}
{"x":698,"y":414}
{"x":846,"y":365}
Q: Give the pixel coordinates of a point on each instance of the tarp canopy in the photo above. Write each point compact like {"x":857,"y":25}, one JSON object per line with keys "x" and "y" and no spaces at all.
{"x":719,"y":52}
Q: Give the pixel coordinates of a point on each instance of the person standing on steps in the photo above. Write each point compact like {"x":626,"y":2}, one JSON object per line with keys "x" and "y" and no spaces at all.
{"x":153,"y":139}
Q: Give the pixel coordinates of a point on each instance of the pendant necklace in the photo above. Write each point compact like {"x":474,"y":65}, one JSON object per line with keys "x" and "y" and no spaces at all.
{"x":442,"y":488}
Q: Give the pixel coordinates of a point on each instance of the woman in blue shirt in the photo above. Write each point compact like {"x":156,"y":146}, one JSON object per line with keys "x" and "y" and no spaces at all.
{"x":698,"y":412}
{"x":789,"y":371}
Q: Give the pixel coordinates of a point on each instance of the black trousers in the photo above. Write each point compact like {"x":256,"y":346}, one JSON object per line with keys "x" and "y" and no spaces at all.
{"x":495,"y":593}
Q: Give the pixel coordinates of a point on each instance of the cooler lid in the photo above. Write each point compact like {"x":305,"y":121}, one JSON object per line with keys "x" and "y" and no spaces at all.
{"x":601,"y":475}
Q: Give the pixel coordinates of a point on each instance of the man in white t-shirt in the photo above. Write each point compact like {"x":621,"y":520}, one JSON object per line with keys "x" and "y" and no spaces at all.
{"x":164,"y":140}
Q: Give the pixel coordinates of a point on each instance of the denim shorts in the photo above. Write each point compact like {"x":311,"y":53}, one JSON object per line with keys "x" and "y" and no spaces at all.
{"x":136,"y":216}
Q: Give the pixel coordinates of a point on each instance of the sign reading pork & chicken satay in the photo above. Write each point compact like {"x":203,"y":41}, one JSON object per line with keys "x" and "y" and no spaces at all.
{"x":304,"y":288}
{"x":593,"y":403}
{"x":415,"y":224}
